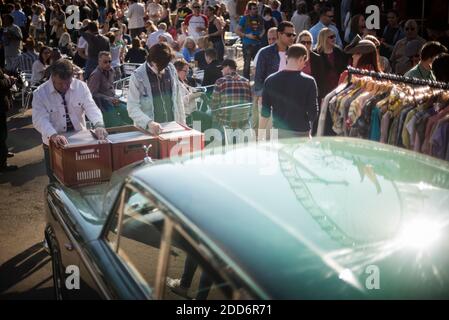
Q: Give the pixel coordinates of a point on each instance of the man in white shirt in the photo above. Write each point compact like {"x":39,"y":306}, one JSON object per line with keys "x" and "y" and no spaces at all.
{"x":196,"y":22}
{"x":135,"y":15}
{"x":60,"y":105}
{"x":155,"y":36}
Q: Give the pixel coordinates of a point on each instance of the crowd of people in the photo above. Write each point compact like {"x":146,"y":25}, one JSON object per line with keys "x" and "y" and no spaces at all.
{"x":299,"y":51}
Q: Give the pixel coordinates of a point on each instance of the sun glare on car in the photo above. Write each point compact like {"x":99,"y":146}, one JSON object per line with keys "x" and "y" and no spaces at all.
{"x":419,"y":233}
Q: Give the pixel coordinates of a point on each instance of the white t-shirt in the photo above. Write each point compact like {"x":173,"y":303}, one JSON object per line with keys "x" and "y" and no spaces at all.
{"x":283,"y":61}
{"x":195,"y":22}
{"x":82,"y":44}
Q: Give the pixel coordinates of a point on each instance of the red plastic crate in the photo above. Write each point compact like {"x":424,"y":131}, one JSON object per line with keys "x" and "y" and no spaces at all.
{"x":180,"y":142}
{"x":83,"y":161}
{"x":127,"y":145}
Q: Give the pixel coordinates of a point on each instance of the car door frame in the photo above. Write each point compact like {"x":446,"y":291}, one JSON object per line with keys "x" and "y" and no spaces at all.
{"x":171,"y":223}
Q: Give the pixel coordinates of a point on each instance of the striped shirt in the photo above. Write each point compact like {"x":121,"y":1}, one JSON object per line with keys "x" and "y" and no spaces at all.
{"x":24,"y":62}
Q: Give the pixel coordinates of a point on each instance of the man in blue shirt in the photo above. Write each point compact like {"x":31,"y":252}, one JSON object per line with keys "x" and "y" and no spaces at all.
{"x":326,"y":17}
{"x":251,"y":30}
{"x":20,"y":19}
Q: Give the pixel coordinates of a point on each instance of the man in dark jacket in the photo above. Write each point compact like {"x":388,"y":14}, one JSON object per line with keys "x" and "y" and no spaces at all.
{"x":96,"y":43}
{"x":6,"y":83}
{"x":269,"y":61}
{"x":213,"y":70}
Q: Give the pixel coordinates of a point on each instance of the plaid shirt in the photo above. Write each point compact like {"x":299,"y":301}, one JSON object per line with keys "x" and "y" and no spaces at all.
{"x":230,"y":90}
{"x":24,"y":62}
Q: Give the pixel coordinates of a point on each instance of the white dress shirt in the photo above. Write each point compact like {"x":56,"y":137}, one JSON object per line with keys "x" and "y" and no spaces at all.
{"x":49,"y":111}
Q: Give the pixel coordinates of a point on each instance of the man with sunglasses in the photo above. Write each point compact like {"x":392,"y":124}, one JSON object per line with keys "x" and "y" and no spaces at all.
{"x":398,"y":57}
{"x":326,"y":21}
{"x":101,"y":85}
{"x":272,"y":59}
{"x":196,"y":22}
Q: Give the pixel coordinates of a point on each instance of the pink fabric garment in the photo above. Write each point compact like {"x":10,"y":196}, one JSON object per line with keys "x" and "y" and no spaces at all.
{"x":307,"y":68}
{"x":429,"y":128}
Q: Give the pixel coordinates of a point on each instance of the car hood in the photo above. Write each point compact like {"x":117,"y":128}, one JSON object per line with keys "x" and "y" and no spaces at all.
{"x":314,"y":219}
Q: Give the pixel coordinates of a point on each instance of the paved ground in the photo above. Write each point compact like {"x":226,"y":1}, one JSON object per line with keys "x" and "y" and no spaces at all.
{"x":25,"y":268}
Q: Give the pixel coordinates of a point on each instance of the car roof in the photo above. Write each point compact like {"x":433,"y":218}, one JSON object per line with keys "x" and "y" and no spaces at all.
{"x":308,"y":218}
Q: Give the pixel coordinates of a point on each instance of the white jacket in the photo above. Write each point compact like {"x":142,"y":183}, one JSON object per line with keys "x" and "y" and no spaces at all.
{"x":140,"y":99}
{"x":49,"y":112}
{"x":135,"y":15}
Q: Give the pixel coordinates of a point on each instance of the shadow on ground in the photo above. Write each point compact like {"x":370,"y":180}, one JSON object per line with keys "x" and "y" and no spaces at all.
{"x":23,"y":174}
{"x":22,"y":266}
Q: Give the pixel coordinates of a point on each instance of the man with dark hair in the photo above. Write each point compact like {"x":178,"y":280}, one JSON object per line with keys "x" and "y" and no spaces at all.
{"x":60,"y":105}
{"x":272,"y":59}
{"x":181,"y":13}
{"x":441,"y":67}
{"x":423,"y":70}
{"x":96,"y":43}
{"x":326,"y":21}
{"x":251,"y":29}
{"x":291,"y":96}
{"x":154,"y":96}
{"x":212,"y":72}
{"x":231,"y":89}
{"x":392,"y":33}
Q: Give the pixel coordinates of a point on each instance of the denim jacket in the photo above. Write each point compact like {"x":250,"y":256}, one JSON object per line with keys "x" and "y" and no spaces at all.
{"x":267,"y":64}
{"x":140,"y":99}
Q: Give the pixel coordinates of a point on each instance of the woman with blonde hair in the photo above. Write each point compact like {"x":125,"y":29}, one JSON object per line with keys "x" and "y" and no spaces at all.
{"x":333,"y":60}
{"x":189,"y":49}
{"x":66,"y":46}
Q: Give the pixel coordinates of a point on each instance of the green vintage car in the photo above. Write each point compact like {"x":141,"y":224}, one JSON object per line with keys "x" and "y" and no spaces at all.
{"x":330,"y":218}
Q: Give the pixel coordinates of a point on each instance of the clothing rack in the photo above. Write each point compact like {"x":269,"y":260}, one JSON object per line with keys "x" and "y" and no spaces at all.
{"x":396,"y":78}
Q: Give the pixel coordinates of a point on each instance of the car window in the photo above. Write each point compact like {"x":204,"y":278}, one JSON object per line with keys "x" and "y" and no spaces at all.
{"x":137,"y":241}
{"x":189,"y":276}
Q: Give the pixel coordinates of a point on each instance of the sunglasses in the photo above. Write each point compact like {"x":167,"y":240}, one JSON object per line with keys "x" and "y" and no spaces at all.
{"x":107,"y":61}
{"x":288,"y":34}
{"x":330,"y":17}
{"x":196,"y":7}
{"x":332,"y":36}
{"x":306,"y":42}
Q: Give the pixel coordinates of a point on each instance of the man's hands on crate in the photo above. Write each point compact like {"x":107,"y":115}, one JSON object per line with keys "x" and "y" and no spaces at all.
{"x":101,"y":133}
{"x":154,"y":128}
{"x":59,"y":140}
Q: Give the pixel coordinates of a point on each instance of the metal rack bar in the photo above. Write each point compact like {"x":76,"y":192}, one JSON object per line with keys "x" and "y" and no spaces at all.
{"x":396,"y":78}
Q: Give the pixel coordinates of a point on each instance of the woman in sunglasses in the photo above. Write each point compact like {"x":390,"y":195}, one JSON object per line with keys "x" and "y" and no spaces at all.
{"x":333,"y":60}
